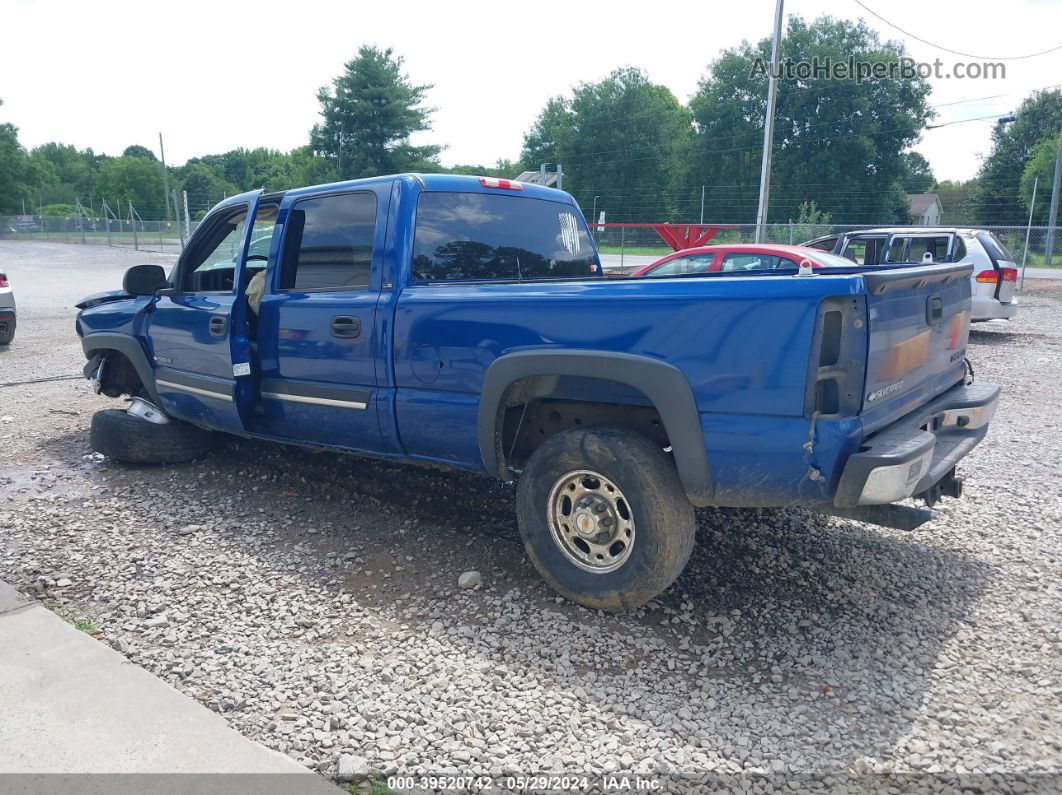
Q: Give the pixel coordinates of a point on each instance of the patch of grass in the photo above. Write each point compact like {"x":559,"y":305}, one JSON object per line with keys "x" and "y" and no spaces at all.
{"x":635,"y":251}
{"x":75,"y":620}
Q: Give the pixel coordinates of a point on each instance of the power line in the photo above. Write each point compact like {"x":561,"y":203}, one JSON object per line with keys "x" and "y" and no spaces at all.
{"x":956,"y":52}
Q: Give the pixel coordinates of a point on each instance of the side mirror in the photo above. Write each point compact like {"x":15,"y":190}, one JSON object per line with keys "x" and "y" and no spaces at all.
{"x":144,"y":279}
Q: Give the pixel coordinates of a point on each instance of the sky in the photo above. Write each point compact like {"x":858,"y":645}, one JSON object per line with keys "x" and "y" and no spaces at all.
{"x":214,"y":76}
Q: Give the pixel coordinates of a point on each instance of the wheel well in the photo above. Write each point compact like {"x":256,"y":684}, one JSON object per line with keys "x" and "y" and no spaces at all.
{"x":119,"y":376}
{"x":535,"y":408}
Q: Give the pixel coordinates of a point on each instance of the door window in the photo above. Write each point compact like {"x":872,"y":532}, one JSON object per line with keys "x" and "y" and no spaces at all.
{"x":936,"y":246}
{"x":753,"y":262}
{"x":681,"y":266}
{"x":209,"y":263}
{"x":328,"y":243}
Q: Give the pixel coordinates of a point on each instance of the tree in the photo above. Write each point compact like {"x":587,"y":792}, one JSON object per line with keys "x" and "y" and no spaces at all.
{"x":621,"y":139}
{"x":131,"y":179}
{"x":136,"y":150}
{"x":917,"y":175}
{"x":205,"y":186}
{"x":301,"y":167}
{"x":369,"y":115}
{"x":998,"y":198}
{"x":957,"y":200}
{"x":21,"y":177}
{"x":838,"y":142}
{"x":1040,"y":166}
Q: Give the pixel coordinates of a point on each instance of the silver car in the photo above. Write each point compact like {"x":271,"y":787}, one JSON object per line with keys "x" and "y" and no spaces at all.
{"x":995,"y":272}
{"x":7,"y":310}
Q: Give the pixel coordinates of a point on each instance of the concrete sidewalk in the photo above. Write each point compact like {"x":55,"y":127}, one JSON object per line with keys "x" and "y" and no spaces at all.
{"x":71,"y":705}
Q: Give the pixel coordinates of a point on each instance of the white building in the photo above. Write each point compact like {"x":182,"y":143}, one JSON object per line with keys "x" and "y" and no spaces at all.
{"x":925,"y":209}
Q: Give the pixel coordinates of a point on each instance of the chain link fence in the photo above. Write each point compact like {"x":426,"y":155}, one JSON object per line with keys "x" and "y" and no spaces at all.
{"x":624,"y":249}
{"x":162,"y":236}
{"x":621,"y":248}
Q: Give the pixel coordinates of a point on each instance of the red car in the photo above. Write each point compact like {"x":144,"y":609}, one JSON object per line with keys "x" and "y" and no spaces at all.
{"x":741,"y":258}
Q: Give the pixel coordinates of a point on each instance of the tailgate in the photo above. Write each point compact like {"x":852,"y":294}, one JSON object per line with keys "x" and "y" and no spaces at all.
{"x":919,"y":324}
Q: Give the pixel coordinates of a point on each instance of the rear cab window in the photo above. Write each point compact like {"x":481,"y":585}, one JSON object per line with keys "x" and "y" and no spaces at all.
{"x":486,"y":237}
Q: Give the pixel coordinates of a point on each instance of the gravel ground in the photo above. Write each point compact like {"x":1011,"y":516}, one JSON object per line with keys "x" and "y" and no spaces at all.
{"x":313,"y":599}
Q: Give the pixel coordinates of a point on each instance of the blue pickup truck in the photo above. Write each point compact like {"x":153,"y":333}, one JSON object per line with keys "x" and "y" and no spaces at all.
{"x":467,"y":322}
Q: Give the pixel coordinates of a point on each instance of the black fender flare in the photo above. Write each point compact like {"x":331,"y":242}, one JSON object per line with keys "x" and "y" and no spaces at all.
{"x":131,"y":349}
{"x":663,"y":383}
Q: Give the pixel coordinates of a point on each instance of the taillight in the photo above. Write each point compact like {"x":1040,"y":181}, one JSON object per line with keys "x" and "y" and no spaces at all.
{"x":3,"y":280}
{"x":1008,"y":274}
{"x":500,"y":184}
{"x":989,"y":277}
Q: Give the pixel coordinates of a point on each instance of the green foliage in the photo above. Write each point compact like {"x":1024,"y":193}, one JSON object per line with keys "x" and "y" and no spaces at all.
{"x":369,"y":115}
{"x":917,"y":175}
{"x":136,"y":150}
{"x":622,"y":139}
{"x":21,"y":176}
{"x":999,"y":193}
{"x":75,"y":171}
{"x":809,"y":221}
{"x":1041,"y":167}
{"x":57,"y":210}
{"x":957,"y":200}
{"x":131,"y":179}
{"x":836,"y":141}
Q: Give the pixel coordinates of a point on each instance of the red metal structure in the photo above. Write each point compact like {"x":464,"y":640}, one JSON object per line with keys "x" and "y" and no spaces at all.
{"x":678,"y":236}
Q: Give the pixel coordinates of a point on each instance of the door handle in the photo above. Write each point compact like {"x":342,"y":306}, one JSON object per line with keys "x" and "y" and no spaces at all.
{"x":346,"y":326}
{"x":218,"y":326}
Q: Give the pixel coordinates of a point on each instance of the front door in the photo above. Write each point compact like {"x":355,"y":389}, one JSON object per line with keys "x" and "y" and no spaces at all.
{"x":319,"y":344}
{"x":192,"y":326}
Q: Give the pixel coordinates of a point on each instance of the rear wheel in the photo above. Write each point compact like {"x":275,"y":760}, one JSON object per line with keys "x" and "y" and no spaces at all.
{"x":125,"y":437}
{"x":604,"y":518}
{"x":7,"y":331}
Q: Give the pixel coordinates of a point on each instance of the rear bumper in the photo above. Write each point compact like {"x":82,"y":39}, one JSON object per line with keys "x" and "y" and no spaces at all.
{"x":916,"y":452}
{"x":983,"y":308}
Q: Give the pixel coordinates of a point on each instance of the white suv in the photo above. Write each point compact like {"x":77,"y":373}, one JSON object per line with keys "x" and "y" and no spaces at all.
{"x":995,"y":272}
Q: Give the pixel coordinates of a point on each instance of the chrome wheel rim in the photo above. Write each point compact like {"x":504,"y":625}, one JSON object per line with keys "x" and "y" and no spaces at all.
{"x":591,"y":522}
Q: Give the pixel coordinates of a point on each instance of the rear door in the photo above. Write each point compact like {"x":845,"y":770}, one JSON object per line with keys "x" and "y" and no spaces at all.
{"x":919,"y":324}
{"x":319,"y":342}
{"x":191,"y":329}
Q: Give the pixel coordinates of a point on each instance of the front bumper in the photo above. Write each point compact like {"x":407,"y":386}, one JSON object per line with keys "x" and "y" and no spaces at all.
{"x":917,"y":452}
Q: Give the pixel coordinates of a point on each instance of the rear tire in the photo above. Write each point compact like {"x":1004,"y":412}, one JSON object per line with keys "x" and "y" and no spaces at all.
{"x":8,"y":333}
{"x":604,"y":517}
{"x":119,"y":435}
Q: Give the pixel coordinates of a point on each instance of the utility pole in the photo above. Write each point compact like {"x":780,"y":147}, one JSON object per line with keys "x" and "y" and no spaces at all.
{"x":560,"y":177}
{"x":702,"y":204}
{"x":768,"y":128}
{"x":165,"y":181}
{"x":1052,"y":214}
{"x":177,"y":216}
{"x":593,"y":215}
{"x":187,"y":219}
{"x":1028,"y":229}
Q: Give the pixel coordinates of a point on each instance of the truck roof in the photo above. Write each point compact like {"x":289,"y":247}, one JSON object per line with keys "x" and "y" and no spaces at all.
{"x":446,"y":183}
